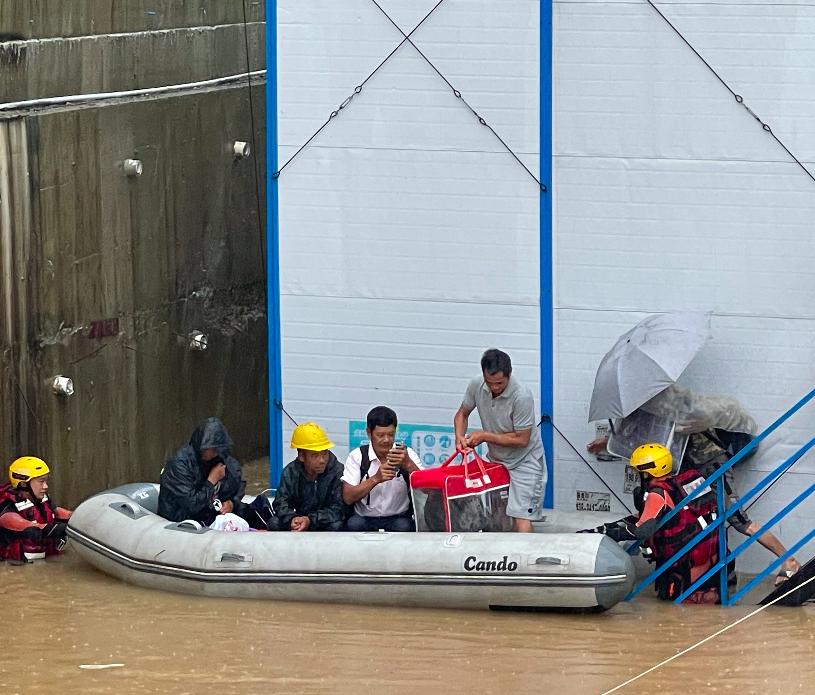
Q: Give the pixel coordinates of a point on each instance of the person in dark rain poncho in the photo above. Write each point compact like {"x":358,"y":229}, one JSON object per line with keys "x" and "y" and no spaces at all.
{"x":202,"y":479}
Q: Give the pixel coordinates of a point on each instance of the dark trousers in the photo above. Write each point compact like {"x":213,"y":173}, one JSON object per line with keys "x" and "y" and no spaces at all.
{"x":399,"y":522}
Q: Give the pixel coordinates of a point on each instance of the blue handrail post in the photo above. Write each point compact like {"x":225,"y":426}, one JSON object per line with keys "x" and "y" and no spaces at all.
{"x":273,"y":253}
{"x":722,"y":511}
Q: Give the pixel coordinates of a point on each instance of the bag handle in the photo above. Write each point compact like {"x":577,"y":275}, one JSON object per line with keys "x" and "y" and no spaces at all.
{"x":470,"y":480}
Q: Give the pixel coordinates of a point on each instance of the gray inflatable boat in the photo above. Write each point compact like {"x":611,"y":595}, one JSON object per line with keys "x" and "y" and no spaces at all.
{"x":119,"y":533}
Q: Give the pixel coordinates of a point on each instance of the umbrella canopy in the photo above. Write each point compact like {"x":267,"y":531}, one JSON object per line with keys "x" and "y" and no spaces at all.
{"x":645,"y":361}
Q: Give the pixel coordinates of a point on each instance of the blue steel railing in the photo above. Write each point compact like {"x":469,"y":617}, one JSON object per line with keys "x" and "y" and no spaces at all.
{"x":724,"y":513}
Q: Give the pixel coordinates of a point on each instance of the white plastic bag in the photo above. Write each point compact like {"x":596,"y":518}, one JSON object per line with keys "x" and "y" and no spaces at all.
{"x":229,"y":522}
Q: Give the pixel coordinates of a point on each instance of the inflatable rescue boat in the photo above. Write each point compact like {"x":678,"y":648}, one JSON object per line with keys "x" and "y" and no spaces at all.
{"x":119,"y":533}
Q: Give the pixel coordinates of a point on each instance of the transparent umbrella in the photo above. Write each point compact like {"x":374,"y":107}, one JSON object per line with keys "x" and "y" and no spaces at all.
{"x":645,"y":361}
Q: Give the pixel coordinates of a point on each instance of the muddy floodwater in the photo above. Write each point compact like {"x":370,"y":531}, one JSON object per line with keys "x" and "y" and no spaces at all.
{"x":62,"y":615}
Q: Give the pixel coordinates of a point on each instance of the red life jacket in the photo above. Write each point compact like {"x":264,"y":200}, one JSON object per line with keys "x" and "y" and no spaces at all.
{"x":12,"y":544}
{"x":690,"y":520}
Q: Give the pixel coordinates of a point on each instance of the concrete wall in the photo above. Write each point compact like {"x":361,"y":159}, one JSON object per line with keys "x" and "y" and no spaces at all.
{"x":176,"y":249}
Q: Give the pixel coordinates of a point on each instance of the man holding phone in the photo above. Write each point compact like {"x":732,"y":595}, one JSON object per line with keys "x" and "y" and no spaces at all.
{"x":376,"y":475}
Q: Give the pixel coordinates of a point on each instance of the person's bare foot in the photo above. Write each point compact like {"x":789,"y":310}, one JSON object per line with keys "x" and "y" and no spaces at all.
{"x":788,"y":569}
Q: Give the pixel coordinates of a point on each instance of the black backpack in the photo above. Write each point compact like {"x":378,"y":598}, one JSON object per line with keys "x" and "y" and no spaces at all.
{"x":731,"y":442}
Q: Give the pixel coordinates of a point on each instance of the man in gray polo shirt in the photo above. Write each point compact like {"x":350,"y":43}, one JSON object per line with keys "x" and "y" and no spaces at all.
{"x":507,"y":412}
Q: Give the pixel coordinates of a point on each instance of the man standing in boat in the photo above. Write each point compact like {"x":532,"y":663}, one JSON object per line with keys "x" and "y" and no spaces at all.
{"x":376,"y":477}
{"x":507,"y":412}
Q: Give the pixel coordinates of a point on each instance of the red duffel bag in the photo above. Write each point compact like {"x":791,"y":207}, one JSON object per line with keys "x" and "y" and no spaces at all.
{"x":469,"y":496}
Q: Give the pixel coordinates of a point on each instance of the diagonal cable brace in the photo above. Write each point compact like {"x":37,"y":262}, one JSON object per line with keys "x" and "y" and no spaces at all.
{"x":406,"y":39}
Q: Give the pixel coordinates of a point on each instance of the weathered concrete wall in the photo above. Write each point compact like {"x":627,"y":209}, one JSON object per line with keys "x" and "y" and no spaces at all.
{"x":104,"y":276}
{"x":45,"y":18}
{"x":92,"y":64}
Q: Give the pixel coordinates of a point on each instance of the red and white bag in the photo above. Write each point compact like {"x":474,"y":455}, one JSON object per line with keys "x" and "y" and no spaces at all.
{"x":469,"y":496}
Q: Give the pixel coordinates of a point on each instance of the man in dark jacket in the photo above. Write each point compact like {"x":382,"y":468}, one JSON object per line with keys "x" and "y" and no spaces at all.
{"x":309,"y":497}
{"x":202,"y":479}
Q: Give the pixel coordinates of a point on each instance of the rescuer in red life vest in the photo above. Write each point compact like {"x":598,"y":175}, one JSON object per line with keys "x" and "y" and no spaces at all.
{"x":32,"y":527}
{"x":662,"y":493}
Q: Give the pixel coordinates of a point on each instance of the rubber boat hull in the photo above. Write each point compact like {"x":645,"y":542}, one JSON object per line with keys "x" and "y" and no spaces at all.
{"x":118,"y":533}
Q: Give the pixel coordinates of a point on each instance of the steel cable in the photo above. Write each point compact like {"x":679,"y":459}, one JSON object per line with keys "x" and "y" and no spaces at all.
{"x":458,"y":95}
{"x":738,"y":97}
{"x":356,"y":91}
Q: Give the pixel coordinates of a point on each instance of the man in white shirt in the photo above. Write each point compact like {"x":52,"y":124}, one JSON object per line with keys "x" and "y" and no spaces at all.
{"x":376,"y":476}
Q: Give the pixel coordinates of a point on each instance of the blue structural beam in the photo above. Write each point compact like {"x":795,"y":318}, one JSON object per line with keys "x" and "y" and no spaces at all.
{"x":546,"y":271}
{"x":273,"y":253}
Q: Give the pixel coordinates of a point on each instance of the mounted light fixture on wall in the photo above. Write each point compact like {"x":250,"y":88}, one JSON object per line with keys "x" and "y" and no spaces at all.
{"x":62,"y":386}
{"x":198,"y":341}
{"x":241,"y":150}
{"x":132,"y":167}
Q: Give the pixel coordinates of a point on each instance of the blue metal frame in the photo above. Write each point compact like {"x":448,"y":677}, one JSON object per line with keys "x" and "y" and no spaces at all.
{"x":546,"y":273}
{"x":273,"y":253}
{"x":719,"y":523}
{"x":722,"y":517}
{"x":728,"y":557}
{"x":741,"y":455}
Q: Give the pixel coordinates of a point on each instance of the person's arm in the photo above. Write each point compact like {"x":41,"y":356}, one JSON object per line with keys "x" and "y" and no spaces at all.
{"x":12,"y":521}
{"x":632,"y":528}
{"x":523,"y":422}
{"x":353,"y":490}
{"x":404,"y":458}
{"x":518,"y":439}
{"x":233,"y":487}
{"x":284,"y":503}
{"x":190,"y":494}
{"x":460,"y":420}
{"x":351,"y":494}
{"x":63,"y":514}
{"x":332,"y":514}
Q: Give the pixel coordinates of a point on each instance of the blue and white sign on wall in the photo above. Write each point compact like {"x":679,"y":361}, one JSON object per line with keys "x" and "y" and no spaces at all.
{"x":433,"y":443}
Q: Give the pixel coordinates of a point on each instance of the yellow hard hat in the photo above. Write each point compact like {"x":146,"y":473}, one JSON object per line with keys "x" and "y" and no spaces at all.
{"x":653,"y":459}
{"x":23,"y":469}
{"x":311,"y":437}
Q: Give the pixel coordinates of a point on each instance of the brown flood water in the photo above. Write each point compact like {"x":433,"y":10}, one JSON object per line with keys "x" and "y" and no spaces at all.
{"x":65,"y":614}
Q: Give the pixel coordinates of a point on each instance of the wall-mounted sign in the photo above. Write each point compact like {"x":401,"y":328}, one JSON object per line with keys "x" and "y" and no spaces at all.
{"x":433,"y":443}
{"x":593,"y":501}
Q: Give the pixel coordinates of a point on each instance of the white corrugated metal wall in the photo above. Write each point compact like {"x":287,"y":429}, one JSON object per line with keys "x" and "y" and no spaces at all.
{"x":669,"y":196}
{"x":409,"y":237}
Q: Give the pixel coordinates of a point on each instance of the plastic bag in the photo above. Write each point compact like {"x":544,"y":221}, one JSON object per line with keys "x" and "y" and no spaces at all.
{"x":229,"y":522}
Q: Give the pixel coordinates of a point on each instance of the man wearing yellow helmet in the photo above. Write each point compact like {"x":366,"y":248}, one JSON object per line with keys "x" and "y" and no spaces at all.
{"x":661,"y":494}
{"x":309,"y":497}
{"x":31,"y":526}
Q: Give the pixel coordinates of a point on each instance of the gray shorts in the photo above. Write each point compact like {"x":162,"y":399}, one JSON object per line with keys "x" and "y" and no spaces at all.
{"x":527,"y":481}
